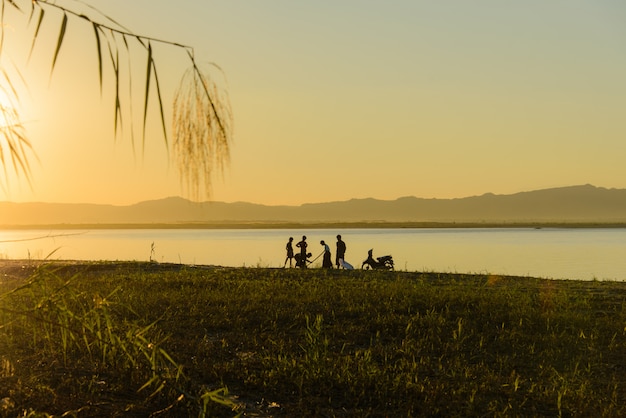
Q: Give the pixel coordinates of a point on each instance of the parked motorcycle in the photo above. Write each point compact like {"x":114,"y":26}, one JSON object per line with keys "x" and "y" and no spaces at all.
{"x":380,"y":263}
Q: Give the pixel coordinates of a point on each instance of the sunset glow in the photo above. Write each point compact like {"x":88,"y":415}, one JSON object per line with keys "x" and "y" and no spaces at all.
{"x":333,"y":101}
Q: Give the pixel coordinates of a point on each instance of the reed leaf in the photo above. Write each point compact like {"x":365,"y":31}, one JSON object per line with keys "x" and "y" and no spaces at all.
{"x":130,"y":90}
{"x":159,"y":97}
{"x":1,"y":27}
{"x":116,"y":69}
{"x":147,"y":92}
{"x":96,"y":30}
{"x":32,"y":13}
{"x":14,"y":4}
{"x":39,"y":22}
{"x":60,"y":40}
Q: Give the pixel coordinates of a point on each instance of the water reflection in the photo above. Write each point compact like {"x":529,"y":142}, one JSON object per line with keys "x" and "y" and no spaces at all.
{"x":555,"y":253}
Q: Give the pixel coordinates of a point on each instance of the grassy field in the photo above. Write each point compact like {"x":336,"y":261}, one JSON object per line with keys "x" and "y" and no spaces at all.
{"x":148,"y":339}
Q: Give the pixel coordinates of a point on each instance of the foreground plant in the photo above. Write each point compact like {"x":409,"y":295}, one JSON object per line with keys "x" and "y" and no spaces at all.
{"x":323,"y":343}
{"x":87,"y":346}
{"x":201,"y":127}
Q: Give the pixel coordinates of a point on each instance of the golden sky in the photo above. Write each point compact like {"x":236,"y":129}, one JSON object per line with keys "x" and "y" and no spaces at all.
{"x":334,"y":100}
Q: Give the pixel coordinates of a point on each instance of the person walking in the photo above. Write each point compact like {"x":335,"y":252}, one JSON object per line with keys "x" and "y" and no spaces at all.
{"x":326,"y":261}
{"x":341,"y":252}
{"x":289,"y":248}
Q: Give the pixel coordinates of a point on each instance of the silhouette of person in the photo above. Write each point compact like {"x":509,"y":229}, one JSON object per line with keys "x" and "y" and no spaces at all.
{"x":341,"y":252}
{"x":289,"y":249}
{"x":302,"y":245}
{"x":326,"y":263}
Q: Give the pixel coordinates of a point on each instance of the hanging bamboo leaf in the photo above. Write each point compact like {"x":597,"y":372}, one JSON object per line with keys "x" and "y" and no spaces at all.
{"x":118,"y":103}
{"x":99,"y":46}
{"x":14,"y":4}
{"x":158,"y":89}
{"x":204,"y":116}
{"x":31,"y":14}
{"x":201,"y":129}
{"x":148,"y":76}
{"x":1,"y":26}
{"x":60,"y":40}
{"x":206,"y":91}
{"x":116,"y":70}
{"x":130,"y":91}
{"x":39,"y":21}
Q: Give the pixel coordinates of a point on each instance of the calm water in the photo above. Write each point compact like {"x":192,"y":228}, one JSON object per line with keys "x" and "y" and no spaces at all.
{"x":552,"y":253}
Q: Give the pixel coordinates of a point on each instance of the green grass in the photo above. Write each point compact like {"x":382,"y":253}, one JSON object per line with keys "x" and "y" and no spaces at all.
{"x":135,"y":339}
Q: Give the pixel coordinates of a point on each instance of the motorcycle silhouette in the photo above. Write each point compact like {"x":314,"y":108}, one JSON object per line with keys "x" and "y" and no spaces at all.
{"x":381,"y":263}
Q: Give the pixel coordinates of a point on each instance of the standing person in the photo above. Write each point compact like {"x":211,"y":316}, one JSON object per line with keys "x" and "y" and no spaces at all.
{"x":289,"y":249}
{"x":341,"y":252}
{"x":302,"y":245}
{"x":326,"y":263}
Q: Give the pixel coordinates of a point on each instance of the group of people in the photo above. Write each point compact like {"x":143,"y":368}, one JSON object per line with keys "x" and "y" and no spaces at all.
{"x":302,"y":258}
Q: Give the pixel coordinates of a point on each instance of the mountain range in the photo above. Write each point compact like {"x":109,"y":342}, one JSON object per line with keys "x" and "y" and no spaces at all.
{"x":574,"y":204}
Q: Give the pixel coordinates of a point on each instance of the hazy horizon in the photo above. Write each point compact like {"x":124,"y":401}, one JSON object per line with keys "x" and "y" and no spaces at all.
{"x":574,"y":205}
{"x":313,"y":202}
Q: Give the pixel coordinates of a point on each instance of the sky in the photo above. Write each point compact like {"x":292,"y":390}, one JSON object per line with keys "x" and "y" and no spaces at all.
{"x":334,"y":100}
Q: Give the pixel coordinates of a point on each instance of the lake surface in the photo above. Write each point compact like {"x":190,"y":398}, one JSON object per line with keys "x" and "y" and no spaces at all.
{"x":549,"y":252}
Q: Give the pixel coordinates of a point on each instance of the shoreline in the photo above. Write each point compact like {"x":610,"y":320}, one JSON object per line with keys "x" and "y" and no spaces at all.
{"x":24,"y":267}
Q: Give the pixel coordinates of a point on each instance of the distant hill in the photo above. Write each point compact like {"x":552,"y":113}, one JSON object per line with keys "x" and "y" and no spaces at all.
{"x":566,"y":204}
